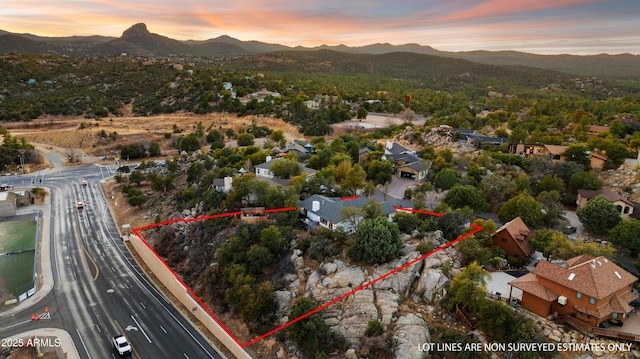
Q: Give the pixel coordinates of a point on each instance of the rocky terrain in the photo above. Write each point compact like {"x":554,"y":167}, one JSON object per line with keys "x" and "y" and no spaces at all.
{"x":396,"y":300}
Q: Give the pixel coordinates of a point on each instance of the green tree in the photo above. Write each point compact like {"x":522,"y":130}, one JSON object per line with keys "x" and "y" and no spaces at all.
{"x":136,"y":177}
{"x":277,"y":137}
{"x":626,"y":234}
{"x":578,"y":153}
{"x":407,"y":222}
{"x":585,"y":180}
{"x":377,"y":241}
{"x":523,"y":206}
{"x":311,"y":334}
{"x":372,"y":209}
{"x":154,"y":149}
{"x":137,"y":200}
{"x":285,"y":168}
{"x":230,"y":133}
{"x":271,"y":238}
{"x":466,"y":196}
{"x":498,"y":188}
{"x":446,"y":178}
{"x":354,"y":180}
{"x":189,"y":143}
{"x":468,"y":287}
{"x":550,"y":183}
{"x":246,"y":139}
{"x":214,"y":136}
{"x":550,"y":202}
{"x":172,"y":166}
{"x":379,"y":171}
{"x":599,"y":215}
{"x":195,"y":172}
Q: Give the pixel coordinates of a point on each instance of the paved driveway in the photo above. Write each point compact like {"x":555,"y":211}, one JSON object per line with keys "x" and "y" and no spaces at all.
{"x":574,"y":221}
{"x":498,"y":284}
{"x":398,"y":185}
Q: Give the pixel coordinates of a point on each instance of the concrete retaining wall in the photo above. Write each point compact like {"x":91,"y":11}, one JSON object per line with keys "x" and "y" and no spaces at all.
{"x":169,"y":280}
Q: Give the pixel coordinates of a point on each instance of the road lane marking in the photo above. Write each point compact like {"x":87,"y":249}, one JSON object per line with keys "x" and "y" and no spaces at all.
{"x":17,"y":324}
{"x":95,"y":265}
{"x":141,"y":329}
{"x":142,"y":304}
{"x":83,"y":344}
{"x":164,"y":330}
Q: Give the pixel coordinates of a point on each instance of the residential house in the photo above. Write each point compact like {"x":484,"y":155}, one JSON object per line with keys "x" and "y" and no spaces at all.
{"x":222,"y":184}
{"x":300,"y":150}
{"x":626,"y":206}
{"x":514,"y":237}
{"x":556,"y":153}
{"x":326,"y":211}
{"x":596,"y":130}
{"x":363,"y":155}
{"x":406,"y":163}
{"x":593,"y":290}
{"x":597,"y":160}
{"x":477,"y":139}
{"x":264,"y":169}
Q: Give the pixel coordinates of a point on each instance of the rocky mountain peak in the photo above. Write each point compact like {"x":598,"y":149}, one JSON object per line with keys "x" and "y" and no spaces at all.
{"x":136,"y":31}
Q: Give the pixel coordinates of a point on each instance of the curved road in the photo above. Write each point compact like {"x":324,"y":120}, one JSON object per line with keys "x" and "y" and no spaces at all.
{"x":99,"y":290}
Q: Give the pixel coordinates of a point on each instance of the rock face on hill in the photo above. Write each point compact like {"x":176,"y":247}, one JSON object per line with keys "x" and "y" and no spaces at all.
{"x":366,"y":298}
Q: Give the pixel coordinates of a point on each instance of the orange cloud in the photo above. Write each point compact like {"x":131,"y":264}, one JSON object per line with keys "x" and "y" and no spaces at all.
{"x":505,"y":7}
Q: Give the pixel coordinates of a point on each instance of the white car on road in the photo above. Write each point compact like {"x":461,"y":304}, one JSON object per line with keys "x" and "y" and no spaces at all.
{"x":121,"y":344}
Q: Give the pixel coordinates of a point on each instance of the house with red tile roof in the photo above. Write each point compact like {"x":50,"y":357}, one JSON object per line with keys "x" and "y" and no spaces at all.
{"x":591,"y":289}
{"x":514,"y":237}
{"x":628,"y":208}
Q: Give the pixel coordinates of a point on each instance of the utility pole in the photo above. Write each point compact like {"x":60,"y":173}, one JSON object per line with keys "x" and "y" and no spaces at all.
{"x":21,"y":157}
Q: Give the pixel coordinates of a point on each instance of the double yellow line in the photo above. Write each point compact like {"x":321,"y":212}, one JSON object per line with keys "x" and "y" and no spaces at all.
{"x":133,"y":349}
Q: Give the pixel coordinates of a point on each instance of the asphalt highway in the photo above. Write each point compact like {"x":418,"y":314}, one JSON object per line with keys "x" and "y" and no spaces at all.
{"x":99,"y":291}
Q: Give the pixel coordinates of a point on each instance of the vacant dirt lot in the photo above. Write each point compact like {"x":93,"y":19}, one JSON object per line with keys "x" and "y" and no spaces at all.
{"x":97,"y":137}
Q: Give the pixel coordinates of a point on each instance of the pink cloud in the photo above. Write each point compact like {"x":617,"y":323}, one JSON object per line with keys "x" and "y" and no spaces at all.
{"x":506,"y":7}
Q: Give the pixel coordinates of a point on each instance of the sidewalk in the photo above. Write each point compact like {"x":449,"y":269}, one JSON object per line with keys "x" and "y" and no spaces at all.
{"x":64,"y":342}
{"x":45,"y":258}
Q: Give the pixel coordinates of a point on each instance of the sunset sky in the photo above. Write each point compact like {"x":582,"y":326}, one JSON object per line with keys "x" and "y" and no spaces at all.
{"x":537,"y":26}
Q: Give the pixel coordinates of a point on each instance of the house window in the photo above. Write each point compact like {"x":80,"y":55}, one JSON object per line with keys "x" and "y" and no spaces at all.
{"x":626,"y":209}
{"x":504,"y":240}
{"x":614,"y":315}
{"x":592,"y":300}
{"x":578,"y":295}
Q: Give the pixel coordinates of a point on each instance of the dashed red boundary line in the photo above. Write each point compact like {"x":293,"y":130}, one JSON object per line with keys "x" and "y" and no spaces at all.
{"x":475,"y":230}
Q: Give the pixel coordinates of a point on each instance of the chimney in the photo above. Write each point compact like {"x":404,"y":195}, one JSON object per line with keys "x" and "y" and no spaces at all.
{"x":268,"y":158}
{"x":315,"y":206}
{"x":389,"y":145}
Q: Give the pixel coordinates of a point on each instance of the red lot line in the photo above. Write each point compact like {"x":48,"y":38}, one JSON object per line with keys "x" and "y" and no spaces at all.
{"x":475,"y":230}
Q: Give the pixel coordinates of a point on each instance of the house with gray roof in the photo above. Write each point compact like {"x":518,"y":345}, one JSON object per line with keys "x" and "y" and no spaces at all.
{"x":406,"y":163}
{"x":326,"y":211}
{"x":264,"y":169}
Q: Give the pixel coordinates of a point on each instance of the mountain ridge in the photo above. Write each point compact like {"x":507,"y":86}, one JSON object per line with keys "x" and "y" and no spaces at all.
{"x":137,"y":40}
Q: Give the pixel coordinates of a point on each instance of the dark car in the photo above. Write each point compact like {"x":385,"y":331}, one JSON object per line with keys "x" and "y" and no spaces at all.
{"x":616,"y":322}
{"x":569,"y":230}
{"x":604,"y":325}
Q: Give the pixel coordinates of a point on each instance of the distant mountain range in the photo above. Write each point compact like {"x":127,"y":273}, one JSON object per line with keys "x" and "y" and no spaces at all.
{"x":138,"y":41}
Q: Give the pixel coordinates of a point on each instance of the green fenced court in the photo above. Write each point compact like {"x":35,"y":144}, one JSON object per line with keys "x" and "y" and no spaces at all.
{"x":17,"y":236}
{"x":17,"y":257}
{"x":17,"y":273}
